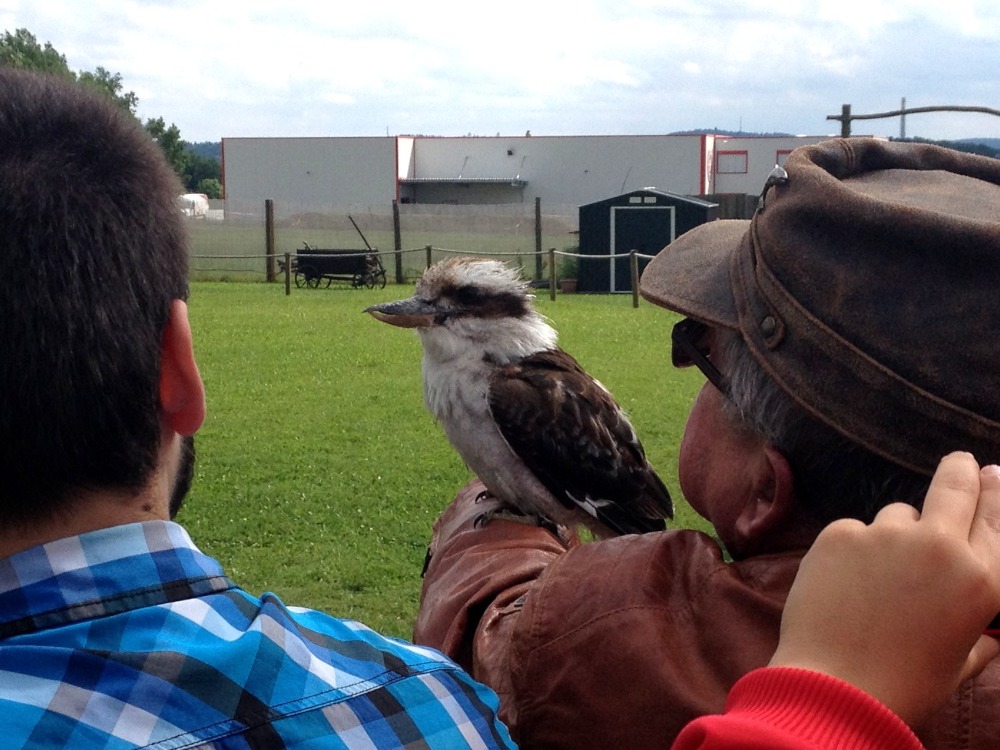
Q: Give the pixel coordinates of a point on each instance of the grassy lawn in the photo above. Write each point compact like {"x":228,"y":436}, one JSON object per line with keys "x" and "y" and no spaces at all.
{"x":319,"y":470}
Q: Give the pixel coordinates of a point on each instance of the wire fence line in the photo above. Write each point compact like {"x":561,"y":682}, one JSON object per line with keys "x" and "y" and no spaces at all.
{"x":236,"y":242}
{"x":270,"y":242}
{"x":283,"y":267}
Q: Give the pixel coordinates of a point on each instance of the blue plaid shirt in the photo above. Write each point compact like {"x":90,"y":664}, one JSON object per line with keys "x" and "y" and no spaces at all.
{"x":131,"y":637}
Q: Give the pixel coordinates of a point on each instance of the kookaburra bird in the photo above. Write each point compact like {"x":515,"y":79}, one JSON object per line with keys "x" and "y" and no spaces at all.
{"x":544,"y":436}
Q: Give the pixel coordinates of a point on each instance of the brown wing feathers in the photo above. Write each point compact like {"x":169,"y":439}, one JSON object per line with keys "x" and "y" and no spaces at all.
{"x":570,"y":432}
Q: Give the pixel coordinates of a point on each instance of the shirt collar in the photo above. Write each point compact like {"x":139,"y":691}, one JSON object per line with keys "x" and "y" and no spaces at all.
{"x":100,"y":573}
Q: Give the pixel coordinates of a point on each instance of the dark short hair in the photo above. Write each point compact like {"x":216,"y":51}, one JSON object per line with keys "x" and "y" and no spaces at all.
{"x":834,"y":477}
{"x":93,"y":250}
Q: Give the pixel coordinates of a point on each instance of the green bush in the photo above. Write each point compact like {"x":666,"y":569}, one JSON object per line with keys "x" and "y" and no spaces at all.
{"x":568,"y":266}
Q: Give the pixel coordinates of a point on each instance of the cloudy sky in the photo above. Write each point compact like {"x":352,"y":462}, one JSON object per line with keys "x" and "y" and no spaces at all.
{"x":217,"y":68}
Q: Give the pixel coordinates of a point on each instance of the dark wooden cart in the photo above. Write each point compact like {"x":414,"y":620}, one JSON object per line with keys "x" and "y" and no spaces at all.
{"x":314,"y":267}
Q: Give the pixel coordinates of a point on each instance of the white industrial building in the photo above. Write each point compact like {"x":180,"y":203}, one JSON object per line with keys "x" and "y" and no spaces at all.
{"x":372,"y":172}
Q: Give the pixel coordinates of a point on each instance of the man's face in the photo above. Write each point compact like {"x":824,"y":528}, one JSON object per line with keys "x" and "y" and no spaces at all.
{"x":715,"y":461}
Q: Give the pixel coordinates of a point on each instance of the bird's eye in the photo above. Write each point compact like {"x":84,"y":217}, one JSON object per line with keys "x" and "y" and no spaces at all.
{"x":468,"y":295}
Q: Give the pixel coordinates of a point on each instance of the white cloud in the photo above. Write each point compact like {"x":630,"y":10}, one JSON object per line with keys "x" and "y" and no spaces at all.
{"x":567,"y":66}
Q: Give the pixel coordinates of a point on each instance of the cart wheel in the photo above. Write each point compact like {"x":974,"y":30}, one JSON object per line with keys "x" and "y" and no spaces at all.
{"x":358,"y":280}
{"x":380,"y":279}
{"x":306,"y":276}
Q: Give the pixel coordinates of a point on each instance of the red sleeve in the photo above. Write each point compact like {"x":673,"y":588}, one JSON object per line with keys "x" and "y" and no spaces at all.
{"x":780,"y":708}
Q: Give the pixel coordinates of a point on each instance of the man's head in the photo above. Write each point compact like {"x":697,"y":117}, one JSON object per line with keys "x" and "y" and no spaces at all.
{"x":94,"y":256}
{"x":853,"y":317}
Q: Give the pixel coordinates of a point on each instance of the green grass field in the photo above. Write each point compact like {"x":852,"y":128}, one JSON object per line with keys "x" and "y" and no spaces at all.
{"x":319,"y":471}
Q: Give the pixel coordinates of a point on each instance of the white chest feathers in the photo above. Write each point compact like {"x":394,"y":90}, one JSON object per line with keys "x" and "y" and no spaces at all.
{"x":459,"y":359}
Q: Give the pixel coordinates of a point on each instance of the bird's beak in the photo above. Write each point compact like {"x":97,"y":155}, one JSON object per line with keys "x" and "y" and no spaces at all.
{"x":405,"y":313}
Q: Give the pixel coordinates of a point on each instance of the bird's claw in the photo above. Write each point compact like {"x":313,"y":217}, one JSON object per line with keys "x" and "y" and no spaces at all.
{"x":512,"y":514}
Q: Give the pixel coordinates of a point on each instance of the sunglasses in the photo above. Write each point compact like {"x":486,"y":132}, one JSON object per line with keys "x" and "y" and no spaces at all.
{"x":689,"y":346}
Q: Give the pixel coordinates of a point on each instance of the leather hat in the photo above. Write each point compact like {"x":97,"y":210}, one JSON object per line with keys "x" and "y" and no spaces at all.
{"x":867,"y":285}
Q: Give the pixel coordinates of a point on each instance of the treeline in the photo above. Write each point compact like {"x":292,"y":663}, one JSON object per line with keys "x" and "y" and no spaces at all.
{"x":968,"y":145}
{"x":199,"y":174}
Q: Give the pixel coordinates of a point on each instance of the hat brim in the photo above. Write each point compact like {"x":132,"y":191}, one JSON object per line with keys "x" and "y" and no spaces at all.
{"x":691,"y":274}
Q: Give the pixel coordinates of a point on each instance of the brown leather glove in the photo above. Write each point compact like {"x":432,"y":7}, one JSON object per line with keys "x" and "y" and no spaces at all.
{"x":481,"y":565}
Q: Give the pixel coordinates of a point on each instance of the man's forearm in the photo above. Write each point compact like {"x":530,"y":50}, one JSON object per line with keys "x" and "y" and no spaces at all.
{"x":476,"y":579}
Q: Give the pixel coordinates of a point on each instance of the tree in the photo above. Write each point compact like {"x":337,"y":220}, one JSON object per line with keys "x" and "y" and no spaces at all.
{"x":169,"y":140}
{"x":202,"y":174}
{"x":199,"y":169}
{"x":22,"y":50}
{"x":111,"y":84}
{"x":210,"y":186}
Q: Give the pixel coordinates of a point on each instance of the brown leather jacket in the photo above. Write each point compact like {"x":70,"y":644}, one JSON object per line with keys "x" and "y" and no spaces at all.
{"x":619,"y":643}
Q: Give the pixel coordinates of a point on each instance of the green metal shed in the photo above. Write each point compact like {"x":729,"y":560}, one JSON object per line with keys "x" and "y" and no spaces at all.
{"x":644,"y":220}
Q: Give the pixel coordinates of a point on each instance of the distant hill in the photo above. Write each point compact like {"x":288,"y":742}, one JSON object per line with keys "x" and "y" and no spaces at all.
{"x":730,"y":133}
{"x":993,"y":143}
{"x":206,"y":149}
{"x":981,"y":146}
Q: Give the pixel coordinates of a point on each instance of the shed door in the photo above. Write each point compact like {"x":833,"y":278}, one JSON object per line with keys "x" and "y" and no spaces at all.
{"x":646,"y":229}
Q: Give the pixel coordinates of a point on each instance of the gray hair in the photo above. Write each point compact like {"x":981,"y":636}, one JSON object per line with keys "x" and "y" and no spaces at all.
{"x":834,"y":477}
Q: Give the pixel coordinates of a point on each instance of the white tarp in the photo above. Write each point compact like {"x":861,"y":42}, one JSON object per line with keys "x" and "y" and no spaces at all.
{"x":193,"y":204}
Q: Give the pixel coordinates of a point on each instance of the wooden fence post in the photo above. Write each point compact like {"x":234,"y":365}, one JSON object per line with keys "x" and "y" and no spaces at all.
{"x":538,"y":237}
{"x":428,"y":256}
{"x":288,"y":274}
{"x":845,"y":121}
{"x":552,"y":274}
{"x":269,"y":239}
{"x":633,"y":264}
{"x":397,"y":241}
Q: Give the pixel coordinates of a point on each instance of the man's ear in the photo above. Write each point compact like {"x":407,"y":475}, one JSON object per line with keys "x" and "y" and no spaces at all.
{"x":772,"y":509}
{"x":182,"y":394}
